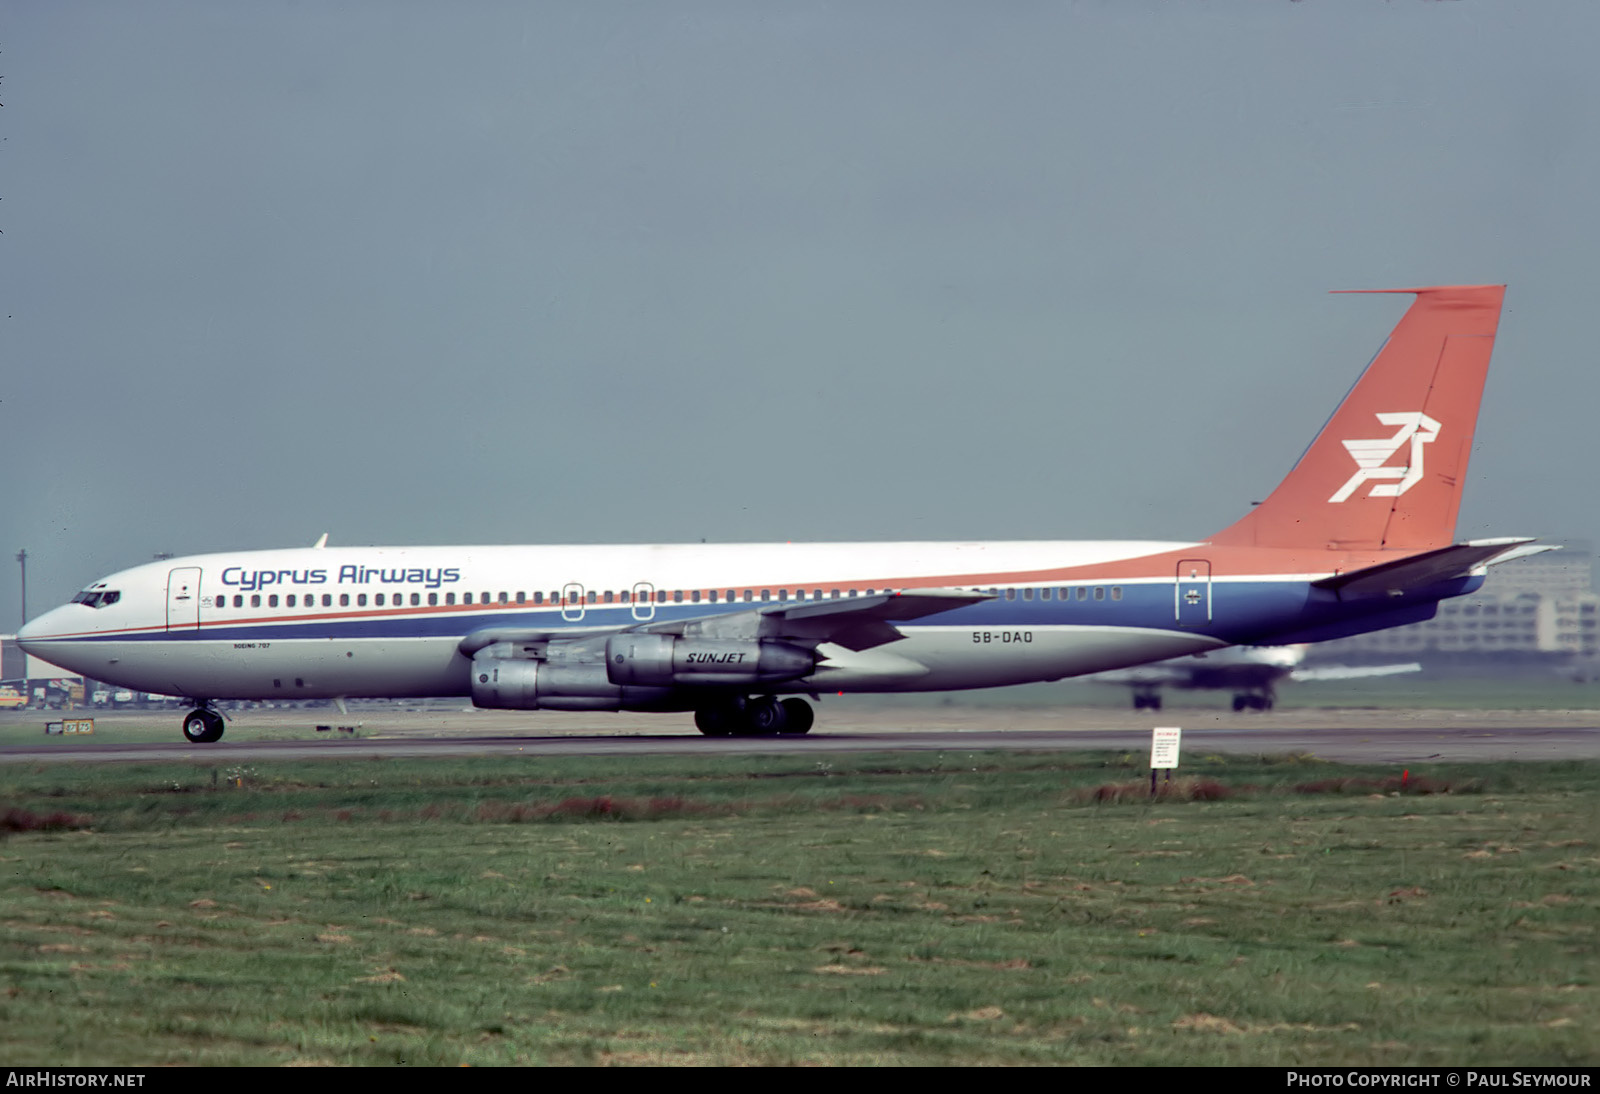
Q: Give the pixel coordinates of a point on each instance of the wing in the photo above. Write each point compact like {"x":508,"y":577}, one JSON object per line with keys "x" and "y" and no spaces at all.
{"x":859,"y":623}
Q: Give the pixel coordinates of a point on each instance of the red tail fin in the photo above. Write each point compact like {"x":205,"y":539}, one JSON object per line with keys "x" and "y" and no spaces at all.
{"x":1387,"y":470}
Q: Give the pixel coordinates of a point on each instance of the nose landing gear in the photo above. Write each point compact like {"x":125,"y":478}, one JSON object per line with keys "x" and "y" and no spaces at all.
{"x":202,"y":726}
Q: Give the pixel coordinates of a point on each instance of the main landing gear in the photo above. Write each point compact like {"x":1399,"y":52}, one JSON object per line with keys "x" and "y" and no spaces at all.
{"x":1252,"y":701}
{"x":758,"y":716}
{"x":202,"y":725}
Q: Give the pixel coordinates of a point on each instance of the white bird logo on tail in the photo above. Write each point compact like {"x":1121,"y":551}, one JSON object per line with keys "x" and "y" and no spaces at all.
{"x":1370,"y":455}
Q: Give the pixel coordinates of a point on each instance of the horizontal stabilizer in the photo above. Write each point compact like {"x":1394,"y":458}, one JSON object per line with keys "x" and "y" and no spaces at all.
{"x":1427,"y":568}
{"x":1523,"y":551}
{"x":1353,"y":672}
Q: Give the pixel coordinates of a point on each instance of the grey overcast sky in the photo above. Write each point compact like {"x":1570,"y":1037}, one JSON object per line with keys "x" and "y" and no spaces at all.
{"x":657,"y":271}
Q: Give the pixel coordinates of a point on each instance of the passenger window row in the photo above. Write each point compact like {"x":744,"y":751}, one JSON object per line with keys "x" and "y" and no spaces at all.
{"x":1074,"y":592}
{"x":660,"y":596}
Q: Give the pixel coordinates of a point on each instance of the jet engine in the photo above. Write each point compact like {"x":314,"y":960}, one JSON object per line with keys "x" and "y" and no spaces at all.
{"x":504,"y":683}
{"x":662,"y":660}
{"x":627,"y":671}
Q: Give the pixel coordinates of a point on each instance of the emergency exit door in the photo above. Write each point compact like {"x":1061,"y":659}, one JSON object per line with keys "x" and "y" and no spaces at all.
{"x":1192,"y":592}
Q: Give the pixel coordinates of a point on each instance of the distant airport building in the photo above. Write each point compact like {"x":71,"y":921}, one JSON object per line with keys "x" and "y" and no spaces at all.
{"x":13,"y":662}
{"x":1544,"y":604}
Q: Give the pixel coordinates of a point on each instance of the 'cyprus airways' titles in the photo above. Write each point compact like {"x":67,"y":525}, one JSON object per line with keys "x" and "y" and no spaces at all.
{"x":249,"y":580}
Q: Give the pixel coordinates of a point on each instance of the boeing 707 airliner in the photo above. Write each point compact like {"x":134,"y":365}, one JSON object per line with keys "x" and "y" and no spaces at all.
{"x":1358,"y":537}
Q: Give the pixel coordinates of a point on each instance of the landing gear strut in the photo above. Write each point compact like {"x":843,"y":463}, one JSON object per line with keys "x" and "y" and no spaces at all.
{"x":202,"y":726}
{"x":757,"y":716}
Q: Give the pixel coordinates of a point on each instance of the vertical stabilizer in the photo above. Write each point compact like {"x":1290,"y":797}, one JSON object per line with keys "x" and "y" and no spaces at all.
{"x":1386,"y":472}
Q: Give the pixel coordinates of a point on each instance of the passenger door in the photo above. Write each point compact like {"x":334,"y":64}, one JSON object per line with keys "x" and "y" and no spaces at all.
{"x":183,"y":599}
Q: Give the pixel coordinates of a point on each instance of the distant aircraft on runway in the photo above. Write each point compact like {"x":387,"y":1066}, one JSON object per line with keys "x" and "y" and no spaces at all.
{"x":1356,"y":538}
{"x":1252,"y":673}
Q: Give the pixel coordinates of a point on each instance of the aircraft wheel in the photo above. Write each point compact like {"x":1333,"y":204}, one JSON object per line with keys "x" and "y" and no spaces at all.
{"x":202,"y":727}
{"x":765,"y":716}
{"x":1240,"y":702}
{"x":798,"y":716}
{"x":721,"y":720}
{"x":1155,"y":702}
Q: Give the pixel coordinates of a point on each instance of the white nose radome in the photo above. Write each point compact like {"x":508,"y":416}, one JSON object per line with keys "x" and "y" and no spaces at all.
{"x":40,"y":636}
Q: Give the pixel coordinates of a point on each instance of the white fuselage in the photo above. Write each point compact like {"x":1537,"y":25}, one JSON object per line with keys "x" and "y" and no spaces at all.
{"x":386,"y":621}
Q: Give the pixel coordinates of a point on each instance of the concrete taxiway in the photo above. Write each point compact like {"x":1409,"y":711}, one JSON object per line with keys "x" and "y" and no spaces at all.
{"x":1360,"y":736}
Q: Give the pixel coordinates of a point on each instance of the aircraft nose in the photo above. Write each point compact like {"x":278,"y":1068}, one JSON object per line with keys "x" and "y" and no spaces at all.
{"x":47,"y":638}
{"x":35,"y":631}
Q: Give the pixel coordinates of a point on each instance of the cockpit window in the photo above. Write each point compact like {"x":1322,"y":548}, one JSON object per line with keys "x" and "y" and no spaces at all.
{"x":98,"y":598}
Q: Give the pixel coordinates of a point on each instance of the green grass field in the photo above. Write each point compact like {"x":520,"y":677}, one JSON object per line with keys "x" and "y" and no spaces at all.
{"x":961,"y":908}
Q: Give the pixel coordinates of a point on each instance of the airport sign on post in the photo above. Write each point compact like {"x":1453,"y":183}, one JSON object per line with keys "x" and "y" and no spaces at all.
{"x":1164,"y":742}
